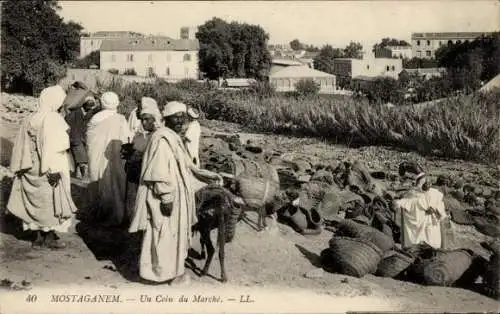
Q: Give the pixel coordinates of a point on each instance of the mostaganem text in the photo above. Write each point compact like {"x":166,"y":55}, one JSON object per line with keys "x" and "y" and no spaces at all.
{"x":85,"y":298}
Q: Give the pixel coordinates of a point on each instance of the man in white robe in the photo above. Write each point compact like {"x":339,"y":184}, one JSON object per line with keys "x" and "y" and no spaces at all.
{"x":165,"y":203}
{"x":192,"y":136}
{"x":151,"y":120}
{"x":106,"y":133}
{"x":422,"y":213}
{"x":41,"y":191}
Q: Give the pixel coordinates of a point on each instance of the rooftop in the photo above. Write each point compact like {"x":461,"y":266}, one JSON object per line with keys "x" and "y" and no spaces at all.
{"x":300,"y":72}
{"x":115,"y":34}
{"x":448,"y":35}
{"x":150,"y":44}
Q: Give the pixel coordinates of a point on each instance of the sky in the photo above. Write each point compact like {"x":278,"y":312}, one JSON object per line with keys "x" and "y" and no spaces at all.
{"x":312,"y":22}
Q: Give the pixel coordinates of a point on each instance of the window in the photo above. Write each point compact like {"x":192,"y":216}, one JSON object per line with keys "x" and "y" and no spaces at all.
{"x":393,"y":68}
{"x":428,"y":43}
{"x":450,"y":42}
{"x":428,"y":53}
{"x":150,"y":58}
{"x":186,"y":71}
{"x":113,"y":58}
{"x":440,"y":43}
{"x":418,"y":42}
{"x":187,"y":57}
{"x":167,"y":71}
{"x":368,"y":67}
{"x":130,"y":58}
{"x":388,"y":68}
{"x":419,"y":53}
{"x":91,"y":43}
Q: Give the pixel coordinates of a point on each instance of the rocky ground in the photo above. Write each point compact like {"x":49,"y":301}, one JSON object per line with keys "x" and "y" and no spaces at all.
{"x":272,"y":261}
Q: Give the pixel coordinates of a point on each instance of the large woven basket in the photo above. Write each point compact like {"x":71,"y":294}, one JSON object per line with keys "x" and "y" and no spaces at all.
{"x":257,"y":183}
{"x":350,"y":228}
{"x":443,"y":269}
{"x":355,"y":257}
{"x":393,"y":263}
{"x":257,"y":192}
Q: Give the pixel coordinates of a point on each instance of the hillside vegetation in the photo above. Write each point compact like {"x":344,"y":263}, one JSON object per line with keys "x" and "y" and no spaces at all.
{"x":464,"y":127}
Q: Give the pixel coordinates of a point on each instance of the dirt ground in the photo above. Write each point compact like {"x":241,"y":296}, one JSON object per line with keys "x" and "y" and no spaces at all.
{"x":277,"y":259}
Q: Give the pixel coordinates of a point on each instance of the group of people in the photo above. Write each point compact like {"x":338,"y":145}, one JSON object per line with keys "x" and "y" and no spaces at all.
{"x":142,"y":173}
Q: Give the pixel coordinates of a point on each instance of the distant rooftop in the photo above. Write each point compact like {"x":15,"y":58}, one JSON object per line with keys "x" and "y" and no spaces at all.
{"x":115,"y":34}
{"x":299,"y":72}
{"x":155,"y":43}
{"x":448,"y":35}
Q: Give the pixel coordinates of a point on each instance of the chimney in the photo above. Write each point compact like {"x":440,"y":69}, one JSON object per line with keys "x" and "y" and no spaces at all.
{"x":184,"y":32}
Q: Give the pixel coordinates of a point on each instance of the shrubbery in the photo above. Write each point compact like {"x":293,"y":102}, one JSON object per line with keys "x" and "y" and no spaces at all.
{"x":462,"y":127}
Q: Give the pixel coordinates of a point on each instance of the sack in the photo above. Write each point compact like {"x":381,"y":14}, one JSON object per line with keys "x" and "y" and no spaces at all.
{"x":350,"y":228}
{"x":355,"y":257}
{"x":257,"y":183}
{"x":443,"y":269}
{"x":393,"y":264}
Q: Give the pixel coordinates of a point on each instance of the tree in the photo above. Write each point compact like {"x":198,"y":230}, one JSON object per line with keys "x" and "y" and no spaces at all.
{"x":480,"y":57}
{"x":324,"y":60}
{"x":94,"y":58}
{"x":389,"y":42}
{"x":353,"y":50}
{"x":233,"y":50}
{"x":307,"y":87}
{"x":383,"y":90}
{"x":36,"y":45}
{"x":296,"y":45}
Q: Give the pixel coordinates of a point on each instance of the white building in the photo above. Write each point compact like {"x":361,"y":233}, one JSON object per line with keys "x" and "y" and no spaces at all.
{"x":285,"y":79}
{"x":402,"y":52}
{"x":171,"y":59}
{"x":93,"y":42}
{"x":370,"y":67}
{"x":424,"y":45}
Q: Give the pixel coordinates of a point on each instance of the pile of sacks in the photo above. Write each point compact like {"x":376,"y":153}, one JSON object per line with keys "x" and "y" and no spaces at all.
{"x":472,"y":204}
{"x":357,"y":249}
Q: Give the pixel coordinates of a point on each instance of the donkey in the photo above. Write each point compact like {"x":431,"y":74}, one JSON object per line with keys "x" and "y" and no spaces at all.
{"x":215,"y":209}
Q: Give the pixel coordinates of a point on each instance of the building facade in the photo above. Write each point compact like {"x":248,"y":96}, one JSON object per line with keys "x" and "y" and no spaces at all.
{"x":287,"y":78}
{"x":93,"y":42}
{"x":164,"y":57}
{"x":347,"y":69}
{"x":402,"y":52}
{"x":424,"y":45}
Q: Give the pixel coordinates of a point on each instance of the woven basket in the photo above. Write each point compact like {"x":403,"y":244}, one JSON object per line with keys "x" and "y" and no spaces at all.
{"x":257,"y":191}
{"x":444,"y":269}
{"x":393,"y":264}
{"x":350,"y":228}
{"x":355,"y":257}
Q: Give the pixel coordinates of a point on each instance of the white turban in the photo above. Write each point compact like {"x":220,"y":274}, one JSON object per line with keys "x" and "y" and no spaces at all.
{"x":150,"y":106}
{"x":51,"y":99}
{"x":110,"y":100}
{"x":192,"y":113}
{"x":174,"y":107}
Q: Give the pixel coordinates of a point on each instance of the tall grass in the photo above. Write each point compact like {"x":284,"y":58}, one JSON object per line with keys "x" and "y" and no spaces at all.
{"x":464,"y":127}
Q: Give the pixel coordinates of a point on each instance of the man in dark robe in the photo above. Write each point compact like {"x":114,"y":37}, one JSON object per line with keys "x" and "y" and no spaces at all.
{"x":78,"y":118}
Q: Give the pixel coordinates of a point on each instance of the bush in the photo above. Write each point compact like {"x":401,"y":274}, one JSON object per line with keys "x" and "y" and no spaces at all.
{"x":189,"y":84}
{"x":113,"y":71}
{"x":461,"y":127}
{"x":129,"y":72}
{"x":307,"y":87}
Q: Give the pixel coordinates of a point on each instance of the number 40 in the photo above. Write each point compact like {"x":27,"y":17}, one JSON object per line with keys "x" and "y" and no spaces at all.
{"x":31,"y":298}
